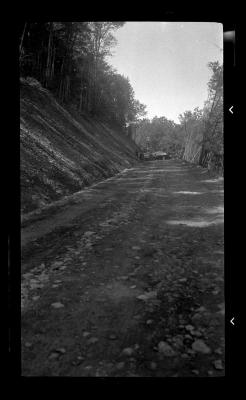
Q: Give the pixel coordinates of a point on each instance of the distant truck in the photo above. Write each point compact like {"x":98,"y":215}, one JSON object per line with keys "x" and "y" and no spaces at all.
{"x":158,"y":155}
{"x":147,"y":156}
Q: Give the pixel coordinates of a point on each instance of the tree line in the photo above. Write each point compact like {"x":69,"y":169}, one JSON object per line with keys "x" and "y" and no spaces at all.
{"x":198,"y":137}
{"x":69,"y":59}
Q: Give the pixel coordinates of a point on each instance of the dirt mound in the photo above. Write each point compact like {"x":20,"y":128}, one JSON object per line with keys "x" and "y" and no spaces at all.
{"x":62,"y":152}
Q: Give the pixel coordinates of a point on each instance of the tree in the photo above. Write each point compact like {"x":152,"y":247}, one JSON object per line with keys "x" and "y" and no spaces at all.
{"x":159,"y":133}
{"x":69,"y":58}
{"x":212,"y":141}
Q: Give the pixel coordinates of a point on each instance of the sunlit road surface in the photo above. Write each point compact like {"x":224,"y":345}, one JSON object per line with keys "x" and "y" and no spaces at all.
{"x":134,"y":262}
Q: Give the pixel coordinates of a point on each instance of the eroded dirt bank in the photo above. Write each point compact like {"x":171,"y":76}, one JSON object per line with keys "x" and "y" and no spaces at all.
{"x":126,"y":278}
{"x":61,"y":151}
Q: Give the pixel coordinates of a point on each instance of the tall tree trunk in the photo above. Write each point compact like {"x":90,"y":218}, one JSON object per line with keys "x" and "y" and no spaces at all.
{"x":49,"y":57}
{"x":21,"y":43}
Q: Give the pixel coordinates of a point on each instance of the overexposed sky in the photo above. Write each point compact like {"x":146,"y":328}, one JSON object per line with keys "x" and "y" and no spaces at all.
{"x":166,"y":63}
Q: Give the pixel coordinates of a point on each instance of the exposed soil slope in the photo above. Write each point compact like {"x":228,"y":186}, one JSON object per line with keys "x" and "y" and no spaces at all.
{"x":61,"y":151}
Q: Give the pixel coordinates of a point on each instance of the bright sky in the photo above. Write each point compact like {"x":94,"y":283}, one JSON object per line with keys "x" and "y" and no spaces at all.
{"x":166,"y":63}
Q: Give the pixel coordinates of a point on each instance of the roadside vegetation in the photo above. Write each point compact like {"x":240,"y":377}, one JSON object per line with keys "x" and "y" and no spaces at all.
{"x":198,"y":138}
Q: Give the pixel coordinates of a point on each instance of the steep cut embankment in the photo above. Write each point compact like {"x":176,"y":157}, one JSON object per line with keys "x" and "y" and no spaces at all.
{"x":63,"y":152}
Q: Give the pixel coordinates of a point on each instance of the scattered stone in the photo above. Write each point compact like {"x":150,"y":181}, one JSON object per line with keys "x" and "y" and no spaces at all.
{"x":55,"y":286}
{"x":137,"y":257}
{"x":28,"y":344}
{"x":187,"y":336}
{"x":196,"y":333}
{"x":147,"y":296}
{"x":35,"y":298}
{"x":112,"y":337}
{"x":195,"y":371}
{"x":218,"y":351}
{"x":92,"y":340}
{"x":76,"y":362}
{"x":54,"y":355}
{"x":184,"y":355}
{"x":43,"y":277}
{"x":201,"y":309}
{"x":218,"y":364}
{"x":189,"y":328}
{"x":197,"y":317}
{"x":123,"y":278}
{"x":214,"y":321}
{"x":222,"y":308}
{"x":153,"y":366}
{"x":183,"y":280}
{"x":133,"y":287}
{"x":36,"y":286}
{"x":88,"y":367}
{"x":57,"y":305}
{"x":136,"y":248}
{"x":149,"y":321}
{"x":165,"y":349}
{"x":177,"y":342}
{"x":61,"y":350}
{"x":200,"y":347}
{"x":128,"y":351}
{"x":85,"y":334}
{"x":27,"y":275}
{"x":57,"y":264}
{"x":88,"y":233}
{"x":120,"y":365}
{"x":210,"y":373}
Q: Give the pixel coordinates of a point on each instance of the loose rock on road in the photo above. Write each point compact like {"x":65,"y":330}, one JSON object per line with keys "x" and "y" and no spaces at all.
{"x":126,"y":278}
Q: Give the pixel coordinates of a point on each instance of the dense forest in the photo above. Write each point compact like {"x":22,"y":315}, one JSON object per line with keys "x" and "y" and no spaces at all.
{"x":198,"y":137}
{"x":69,"y":59}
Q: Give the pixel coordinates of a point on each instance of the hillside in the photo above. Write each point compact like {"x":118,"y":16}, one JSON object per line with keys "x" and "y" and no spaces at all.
{"x":62,"y":152}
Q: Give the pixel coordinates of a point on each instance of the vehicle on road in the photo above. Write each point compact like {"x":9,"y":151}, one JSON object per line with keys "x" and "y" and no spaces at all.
{"x":161,"y":155}
{"x":148,"y":156}
{"x":158,"y":155}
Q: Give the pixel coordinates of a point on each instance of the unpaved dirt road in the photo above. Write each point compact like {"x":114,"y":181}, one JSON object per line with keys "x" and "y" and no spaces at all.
{"x":126,"y":278}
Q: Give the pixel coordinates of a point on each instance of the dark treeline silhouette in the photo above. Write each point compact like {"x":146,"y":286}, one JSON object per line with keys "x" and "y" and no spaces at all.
{"x":69,"y":59}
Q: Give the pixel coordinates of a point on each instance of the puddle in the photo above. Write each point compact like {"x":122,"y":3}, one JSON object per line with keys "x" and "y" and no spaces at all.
{"x":213,"y":180}
{"x":196,"y":223}
{"x":186,"y":192}
{"x":215,"y":210}
{"x":167,"y":170}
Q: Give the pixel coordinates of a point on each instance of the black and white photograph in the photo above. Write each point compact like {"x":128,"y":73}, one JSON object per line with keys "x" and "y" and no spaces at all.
{"x":122,"y":199}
